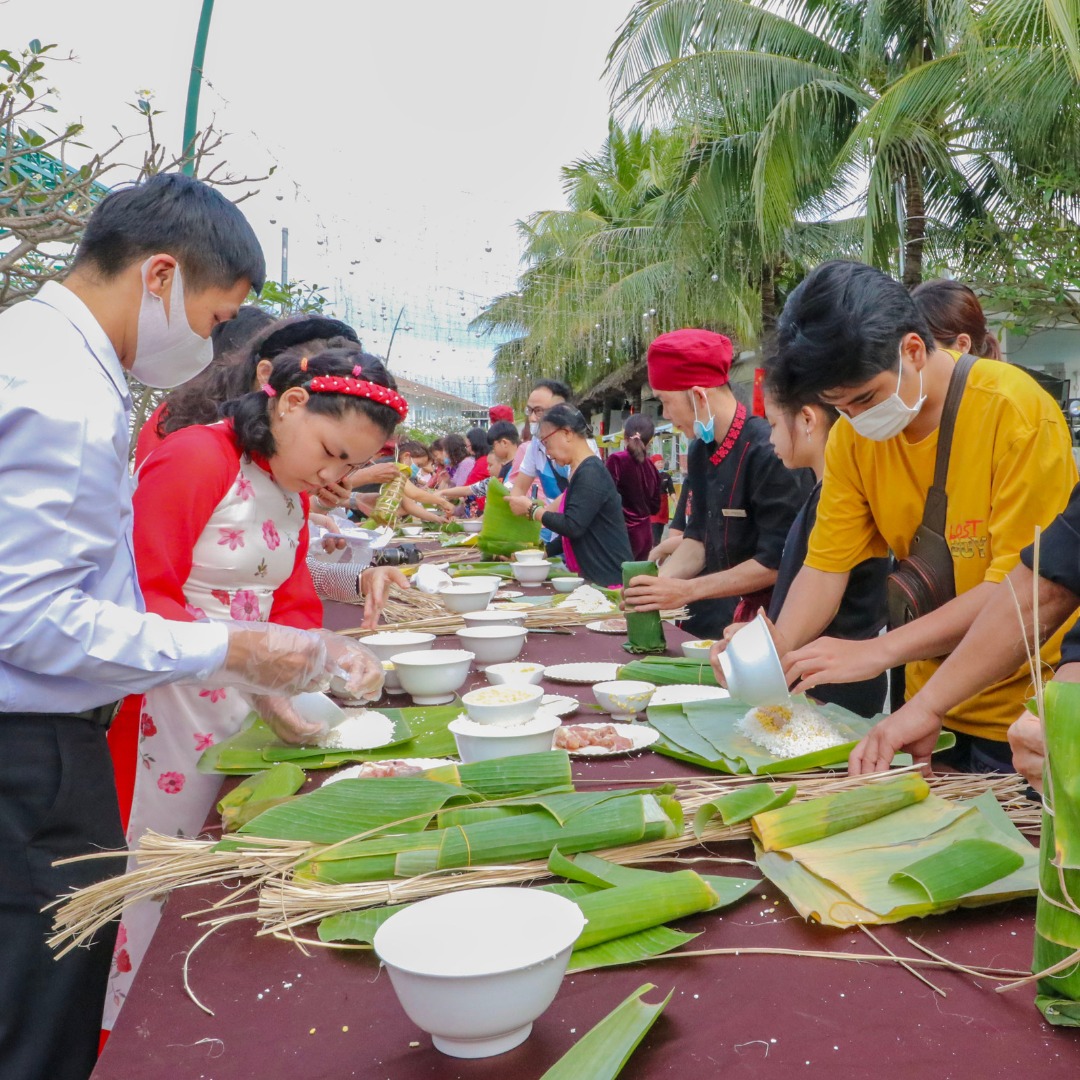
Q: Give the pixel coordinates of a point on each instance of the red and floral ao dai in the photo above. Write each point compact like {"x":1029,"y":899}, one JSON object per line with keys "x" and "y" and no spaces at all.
{"x":215,"y":538}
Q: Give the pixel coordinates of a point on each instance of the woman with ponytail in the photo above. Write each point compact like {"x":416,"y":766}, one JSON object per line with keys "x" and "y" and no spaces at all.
{"x":220,"y":532}
{"x":637,"y":481}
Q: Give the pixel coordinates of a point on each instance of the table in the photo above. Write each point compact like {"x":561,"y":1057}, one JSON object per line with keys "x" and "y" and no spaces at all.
{"x":333,"y":1015}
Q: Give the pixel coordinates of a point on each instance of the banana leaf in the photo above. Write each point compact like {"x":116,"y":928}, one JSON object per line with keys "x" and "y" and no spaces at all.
{"x":255,"y":746}
{"x":669,"y":671}
{"x":603,"y":1051}
{"x":1057,"y":922}
{"x":869,"y":873}
{"x":741,"y":805}
{"x":258,"y":793}
{"x":645,"y":631}
{"x":611,"y":822}
{"x":503,"y":532}
{"x":703,"y":733}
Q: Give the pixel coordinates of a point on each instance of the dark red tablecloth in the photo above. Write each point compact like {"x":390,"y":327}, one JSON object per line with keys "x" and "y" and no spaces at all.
{"x":280,"y":1013}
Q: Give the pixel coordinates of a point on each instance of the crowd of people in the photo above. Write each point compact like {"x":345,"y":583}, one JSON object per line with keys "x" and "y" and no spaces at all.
{"x":200,"y":594}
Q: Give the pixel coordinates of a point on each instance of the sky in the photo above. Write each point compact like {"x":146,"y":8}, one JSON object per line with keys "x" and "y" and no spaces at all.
{"x":406,"y":138}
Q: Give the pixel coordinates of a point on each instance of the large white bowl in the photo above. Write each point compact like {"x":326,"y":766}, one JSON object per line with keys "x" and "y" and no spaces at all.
{"x":462,"y":596}
{"x":492,"y":581}
{"x":390,"y":642}
{"x":473,"y":525}
{"x":752,"y":668}
{"x":567,"y":584}
{"x":531,"y":573}
{"x":623,"y":698}
{"x":482,"y":742}
{"x":490,"y":617}
{"x":476,"y":968}
{"x":529,"y":555}
{"x":493,"y":644}
{"x":432,"y":677}
{"x":318,"y":709}
{"x":514,"y":674}
{"x":412,"y":530}
{"x":483,"y":705}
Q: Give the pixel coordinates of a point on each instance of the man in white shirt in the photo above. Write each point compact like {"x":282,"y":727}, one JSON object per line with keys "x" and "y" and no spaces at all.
{"x":159,"y":266}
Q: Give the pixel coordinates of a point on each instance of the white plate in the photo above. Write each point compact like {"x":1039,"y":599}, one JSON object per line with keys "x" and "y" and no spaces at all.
{"x":559,"y":704}
{"x":585,"y":674}
{"x":420,"y":762}
{"x":513,"y":605}
{"x":607,"y":626}
{"x":678,"y":693}
{"x":509,"y":594}
{"x":642,"y":734}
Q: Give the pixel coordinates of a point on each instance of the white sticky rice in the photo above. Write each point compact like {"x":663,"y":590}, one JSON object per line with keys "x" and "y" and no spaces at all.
{"x":788,"y":731}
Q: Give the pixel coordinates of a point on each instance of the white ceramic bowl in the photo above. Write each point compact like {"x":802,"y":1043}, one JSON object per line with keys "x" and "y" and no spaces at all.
{"x":391,"y":683}
{"x":505,"y":704}
{"x":752,"y":668}
{"x":623,"y":698}
{"x":567,"y":584}
{"x":514,"y":674}
{"x":493,"y":644}
{"x":493,"y":618}
{"x":461,"y":596}
{"x":434,"y":676}
{"x":531,"y":573}
{"x":390,"y":642}
{"x":492,"y":581}
{"x":697,"y":650}
{"x":412,"y":530}
{"x":482,"y":742}
{"x":529,"y":555}
{"x":476,"y":968}
{"x":473,"y":525}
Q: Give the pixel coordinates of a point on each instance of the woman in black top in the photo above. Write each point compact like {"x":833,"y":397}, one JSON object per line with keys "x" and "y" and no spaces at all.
{"x":590,"y":520}
{"x":799,"y":434}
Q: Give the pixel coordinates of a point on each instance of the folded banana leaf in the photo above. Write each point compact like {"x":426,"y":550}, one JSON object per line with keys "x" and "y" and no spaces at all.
{"x":703,"y":733}
{"x":669,"y":671}
{"x":418,"y":732}
{"x":258,"y":793}
{"x":645,"y":631}
{"x":1057,"y":913}
{"x":742,"y":804}
{"x":503,"y":532}
{"x":930,"y":855}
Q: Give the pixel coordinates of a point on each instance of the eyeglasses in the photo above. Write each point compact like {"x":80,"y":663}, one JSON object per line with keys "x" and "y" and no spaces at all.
{"x":544,"y":438}
{"x":536,"y":410}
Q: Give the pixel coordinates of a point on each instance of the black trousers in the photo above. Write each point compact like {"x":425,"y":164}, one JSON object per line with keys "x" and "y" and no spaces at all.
{"x":57,"y":798}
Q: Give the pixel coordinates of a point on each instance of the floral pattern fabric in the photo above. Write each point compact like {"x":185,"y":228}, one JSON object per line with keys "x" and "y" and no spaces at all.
{"x":246,"y":551}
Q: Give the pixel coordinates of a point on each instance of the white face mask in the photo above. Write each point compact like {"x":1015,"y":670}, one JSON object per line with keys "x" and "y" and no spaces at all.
{"x":167,"y":352}
{"x":534,"y":427}
{"x":889,"y":417}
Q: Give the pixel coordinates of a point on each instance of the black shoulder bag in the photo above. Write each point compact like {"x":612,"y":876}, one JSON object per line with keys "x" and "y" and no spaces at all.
{"x":924,"y":581}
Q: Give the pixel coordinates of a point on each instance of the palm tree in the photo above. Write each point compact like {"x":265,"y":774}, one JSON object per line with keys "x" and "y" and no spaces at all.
{"x":924,"y":119}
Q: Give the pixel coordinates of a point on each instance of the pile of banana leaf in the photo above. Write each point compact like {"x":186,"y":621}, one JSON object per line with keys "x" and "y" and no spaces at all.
{"x":1057,"y":914}
{"x":891,"y":850}
{"x":417,"y":733}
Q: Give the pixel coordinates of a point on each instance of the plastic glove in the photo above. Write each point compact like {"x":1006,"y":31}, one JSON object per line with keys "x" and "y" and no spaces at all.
{"x":358,"y":672}
{"x":374,"y":586}
{"x":285,"y":722}
{"x":265,"y":658}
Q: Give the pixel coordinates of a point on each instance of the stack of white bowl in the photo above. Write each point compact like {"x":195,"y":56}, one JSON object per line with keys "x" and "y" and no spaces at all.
{"x":503,"y":721}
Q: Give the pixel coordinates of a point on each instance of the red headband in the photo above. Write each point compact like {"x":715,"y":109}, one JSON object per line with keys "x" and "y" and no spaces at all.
{"x":361,"y":388}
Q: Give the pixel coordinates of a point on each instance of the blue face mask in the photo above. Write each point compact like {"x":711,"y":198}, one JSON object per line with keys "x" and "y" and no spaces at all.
{"x":706,"y":432}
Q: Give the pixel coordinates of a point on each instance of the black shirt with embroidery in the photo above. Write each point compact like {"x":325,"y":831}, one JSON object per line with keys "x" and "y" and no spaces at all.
{"x":742,"y":501}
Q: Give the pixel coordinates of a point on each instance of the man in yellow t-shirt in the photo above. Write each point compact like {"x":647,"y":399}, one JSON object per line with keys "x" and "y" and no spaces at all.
{"x":853,"y":336}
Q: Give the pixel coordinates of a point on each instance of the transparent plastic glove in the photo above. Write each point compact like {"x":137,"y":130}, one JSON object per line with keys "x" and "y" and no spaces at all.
{"x":284,"y":721}
{"x":358,"y":672}
{"x":265,"y":658}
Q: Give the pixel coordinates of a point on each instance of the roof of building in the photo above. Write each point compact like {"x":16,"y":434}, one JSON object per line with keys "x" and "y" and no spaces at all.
{"x":410,"y":389}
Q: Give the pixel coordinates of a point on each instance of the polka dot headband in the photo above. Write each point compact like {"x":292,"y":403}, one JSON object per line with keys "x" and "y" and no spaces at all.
{"x":361,"y":388}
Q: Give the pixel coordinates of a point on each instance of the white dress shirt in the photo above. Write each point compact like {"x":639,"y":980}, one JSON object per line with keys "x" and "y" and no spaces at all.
{"x":73,"y":631}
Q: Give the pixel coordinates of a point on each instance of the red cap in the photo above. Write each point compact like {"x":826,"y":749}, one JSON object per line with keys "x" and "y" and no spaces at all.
{"x":500,"y":412}
{"x":687,"y":358}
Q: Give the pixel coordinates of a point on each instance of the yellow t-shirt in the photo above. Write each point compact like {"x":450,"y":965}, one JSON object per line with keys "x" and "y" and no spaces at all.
{"x":1011,"y":468}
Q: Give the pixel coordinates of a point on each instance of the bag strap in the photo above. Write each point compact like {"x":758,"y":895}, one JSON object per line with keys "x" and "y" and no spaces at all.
{"x":936,"y":500}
